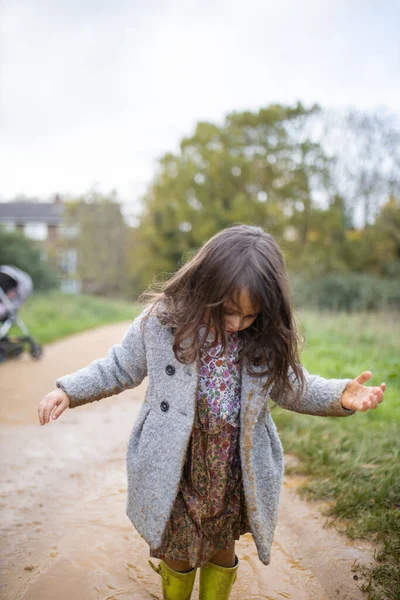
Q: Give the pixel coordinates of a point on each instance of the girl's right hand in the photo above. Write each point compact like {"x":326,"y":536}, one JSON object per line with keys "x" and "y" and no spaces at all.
{"x":53,"y":404}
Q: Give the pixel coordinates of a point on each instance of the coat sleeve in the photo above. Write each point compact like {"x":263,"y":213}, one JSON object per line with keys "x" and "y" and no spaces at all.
{"x":320,"y":396}
{"x":123,"y":367}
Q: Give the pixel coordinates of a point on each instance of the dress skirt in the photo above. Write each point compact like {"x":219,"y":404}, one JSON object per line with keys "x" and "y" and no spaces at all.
{"x":209,"y":511}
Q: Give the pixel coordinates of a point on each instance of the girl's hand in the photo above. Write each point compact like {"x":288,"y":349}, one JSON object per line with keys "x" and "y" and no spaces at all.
{"x":52,"y":404}
{"x":358,"y":397}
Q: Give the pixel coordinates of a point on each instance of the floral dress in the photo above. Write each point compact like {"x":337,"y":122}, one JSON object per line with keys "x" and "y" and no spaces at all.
{"x":209,"y":512}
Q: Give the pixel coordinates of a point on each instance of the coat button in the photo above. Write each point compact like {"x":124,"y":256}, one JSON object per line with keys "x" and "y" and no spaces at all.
{"x":164,"y":406}
{"x":170,"y":369}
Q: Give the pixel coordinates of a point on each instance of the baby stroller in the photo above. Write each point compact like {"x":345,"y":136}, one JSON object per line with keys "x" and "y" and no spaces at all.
{"x":15,"y":287}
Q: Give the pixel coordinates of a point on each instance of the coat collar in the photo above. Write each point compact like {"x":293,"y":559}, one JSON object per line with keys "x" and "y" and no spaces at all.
{"x":252,"y":398}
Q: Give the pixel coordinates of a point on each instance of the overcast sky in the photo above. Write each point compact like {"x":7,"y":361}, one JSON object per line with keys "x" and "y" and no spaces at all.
{"x":92,"y":92}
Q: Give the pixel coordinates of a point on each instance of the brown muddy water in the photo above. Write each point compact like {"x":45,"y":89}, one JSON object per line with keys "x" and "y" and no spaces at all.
{"x":65,"y":534}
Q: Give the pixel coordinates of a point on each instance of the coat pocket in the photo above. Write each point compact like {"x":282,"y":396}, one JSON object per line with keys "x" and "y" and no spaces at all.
{"x":138,"y":429}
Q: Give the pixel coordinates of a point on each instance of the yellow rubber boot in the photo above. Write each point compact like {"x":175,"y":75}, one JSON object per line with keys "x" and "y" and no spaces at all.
{"x":175,"y":585}
{"x":216,"y":582}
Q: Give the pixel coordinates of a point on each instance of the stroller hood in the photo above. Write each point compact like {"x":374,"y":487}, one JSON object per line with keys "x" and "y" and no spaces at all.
{"x":24,"y":281}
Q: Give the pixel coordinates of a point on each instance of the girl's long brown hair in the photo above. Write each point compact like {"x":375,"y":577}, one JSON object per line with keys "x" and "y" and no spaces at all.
{"x":236,"y":258}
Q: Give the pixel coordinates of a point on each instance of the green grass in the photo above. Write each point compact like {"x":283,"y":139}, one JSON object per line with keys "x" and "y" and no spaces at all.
{"x":354,"y":462}
{"x":52,"y":316}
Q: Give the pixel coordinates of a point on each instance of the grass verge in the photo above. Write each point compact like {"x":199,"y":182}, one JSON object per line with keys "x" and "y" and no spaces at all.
{"x":55,"y":315}
{"x":354,"y":462}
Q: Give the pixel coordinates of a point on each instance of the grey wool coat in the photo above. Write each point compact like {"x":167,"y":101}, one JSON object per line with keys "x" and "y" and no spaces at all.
{"x":157,"y":446}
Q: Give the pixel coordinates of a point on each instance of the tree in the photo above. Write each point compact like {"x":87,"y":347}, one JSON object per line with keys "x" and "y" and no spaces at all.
{"x":100,"y":243}
{"x":386,"y":234}
{"x":21,"y":252}
{"x":255,"y":168}
{"x":364,"y":151}
{"x":303,"y":174}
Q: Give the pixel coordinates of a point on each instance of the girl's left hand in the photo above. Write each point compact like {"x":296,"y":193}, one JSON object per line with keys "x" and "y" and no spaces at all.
{"x":356,"y":396}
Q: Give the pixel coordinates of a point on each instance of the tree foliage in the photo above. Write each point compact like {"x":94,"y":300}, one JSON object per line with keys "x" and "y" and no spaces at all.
{"x":364,"y":151}
{"x":100,"y":243}
{"x":271,"y":168}
{"x":252,"y":169}
{"x":19,"y":251}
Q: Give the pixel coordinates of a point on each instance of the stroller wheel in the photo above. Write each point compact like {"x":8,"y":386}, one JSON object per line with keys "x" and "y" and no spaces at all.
{"x":36,"y":351}
{"x":10,"y":348}
{"x":16,"y":351}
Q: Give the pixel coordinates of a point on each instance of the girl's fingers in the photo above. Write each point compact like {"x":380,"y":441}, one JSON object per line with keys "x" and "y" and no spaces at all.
{"x":378,"y":394}
{"x":46,"y":410}
{"x":366,"y":398}
{"x":372,"y":401}
{"x":56,"y":409}
{"x":365,"y":403}
{"x":363,"y":377}
{"x":42,"y":413}
{"x":52,"y":405}
{"x":375,"y":397}
{"x":378,"y":391}
{"x":370,"y":404}
{"x":59,"y":409}
{"x":62,"y":404}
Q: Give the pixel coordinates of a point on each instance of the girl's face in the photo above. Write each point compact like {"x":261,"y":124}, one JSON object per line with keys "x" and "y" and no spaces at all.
{"x":239,"y":313}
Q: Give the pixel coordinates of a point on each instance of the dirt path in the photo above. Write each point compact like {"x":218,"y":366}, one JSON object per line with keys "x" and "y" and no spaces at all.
{"x":63,"y":493}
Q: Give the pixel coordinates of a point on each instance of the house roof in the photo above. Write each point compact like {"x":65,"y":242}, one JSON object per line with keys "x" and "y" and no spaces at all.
{"x":28,"y":212}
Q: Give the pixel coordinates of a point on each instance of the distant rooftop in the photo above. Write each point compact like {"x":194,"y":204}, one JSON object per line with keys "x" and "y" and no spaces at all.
{"x":28,"y":212}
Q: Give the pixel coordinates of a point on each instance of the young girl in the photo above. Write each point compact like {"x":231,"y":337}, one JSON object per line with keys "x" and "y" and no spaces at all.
{"x":204,"y":459}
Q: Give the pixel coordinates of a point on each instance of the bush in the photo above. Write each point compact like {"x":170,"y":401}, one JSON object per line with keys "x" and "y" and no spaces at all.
{"x":346,"y":292}
{"x":19,"y":251}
